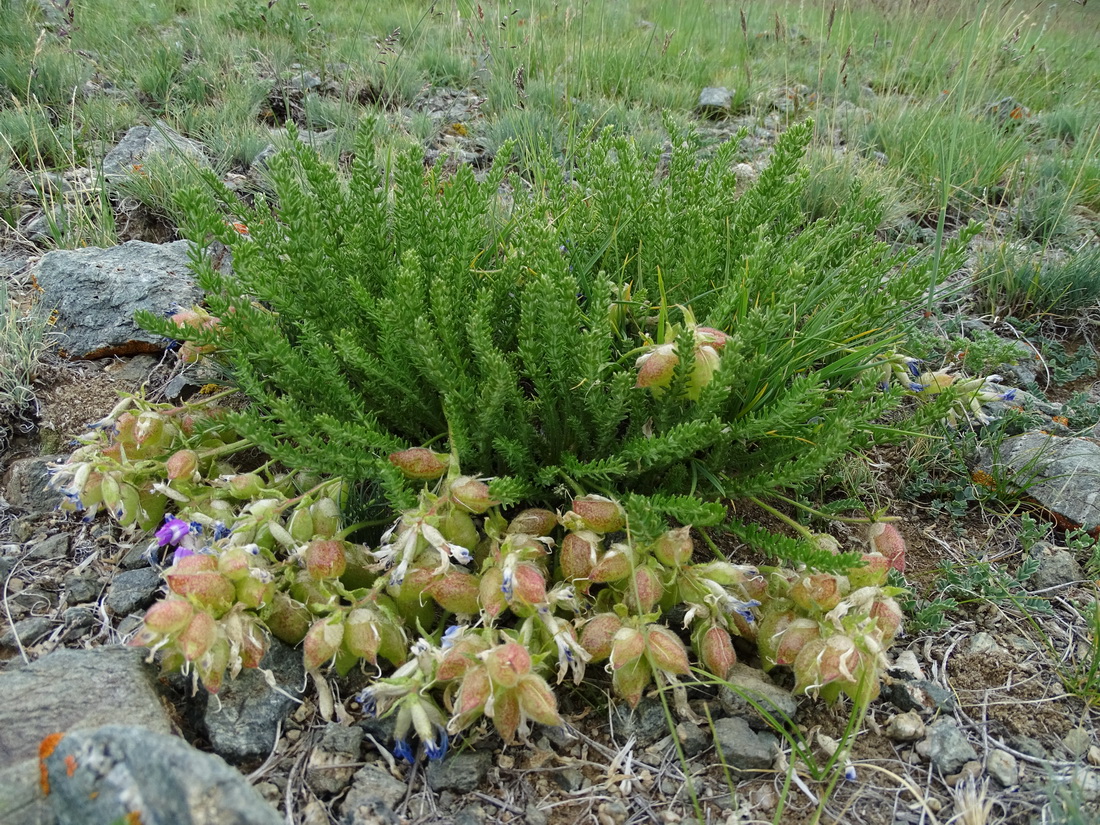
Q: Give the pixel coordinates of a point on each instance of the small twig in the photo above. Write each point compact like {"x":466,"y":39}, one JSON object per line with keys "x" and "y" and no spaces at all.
{"x":500,"y":803}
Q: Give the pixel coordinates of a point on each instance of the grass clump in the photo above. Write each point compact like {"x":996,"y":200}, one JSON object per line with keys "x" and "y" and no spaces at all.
{"x":22,"y":343}
{"x":1015,"y":282}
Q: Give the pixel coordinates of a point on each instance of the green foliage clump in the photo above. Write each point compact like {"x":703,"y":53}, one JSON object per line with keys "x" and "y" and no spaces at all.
{"x":1028,"y":285}
{"x":22,"y":342}
{"x":614,"y":326}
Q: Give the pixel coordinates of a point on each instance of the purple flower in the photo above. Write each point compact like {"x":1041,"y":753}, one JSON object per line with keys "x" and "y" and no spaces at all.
{"x":172,"y":532}
{"x":367,"y":701}
{"x":915,"y":387}
{"x":181,"y":553}
{"x":437,"y":750}
{"x":402,"y":750}
{"x":1009,"y":396}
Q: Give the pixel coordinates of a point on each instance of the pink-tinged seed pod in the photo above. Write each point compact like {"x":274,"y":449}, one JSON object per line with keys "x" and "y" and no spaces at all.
{"x":460,"y":657}
{"x":643,"y":590}
{"x":599,"y":513}
{"x":506,"y":715}
{"x":627,"y":645}
{"x":245,"y":486}
{"x":888,"y":616}
{"x":253,"y":592}
{"x":507,"y":664}
{"x":326,"y":559}
{"x":419,"y":463}
{"x":838,"y":661}
{"x":182,"y":464}
{"x":457,"y":592}
{"x":149,"y":428}
{"x":578,"y":555}
{"x":823,"y":541}
{"x":210,"y":668}
{"x":326,"y":517}
{"x":198,"y":636}
{"x":235,"y":564}
{"x":666,"y":651}
{"x":770,"y":630}
{"x":471,"y":494}
{"x":300,"y":526}
{"x":797,"y":635}
{"x":533,"y":521}
{"x":322,"y":643}
{"x":886,"y":539}
{"x":706,"y":362}
{"x":394,"y":646}
{"x":675,"y":547}
{"x":169,"y":616}
{"x":715,"y":649}
{"x":209,"y":589}
{"x":872,"y":574}
{"x":361,"y":636}
{"x":458,"y":528}
{"x":473,"y":693}
{"x":197,"y":563}
{"x":598,"y":634}
{"x":613,"y":566}
{"x":817,"y":592}
{"x":711,"y":337}
{"x":630,"y":681}
{"x":537,"y":700}
{"x":288,"y":619}
{"x":253,"y":649}
{"x":528,"y":584}
{"x":656,"y":368}
{"x":490,"y":594}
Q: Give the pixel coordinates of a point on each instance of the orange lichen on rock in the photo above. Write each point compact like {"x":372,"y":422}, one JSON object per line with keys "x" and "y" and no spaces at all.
{"x":70,"y":765}
{"x":46,"y":747}
{"x":984,"y":479}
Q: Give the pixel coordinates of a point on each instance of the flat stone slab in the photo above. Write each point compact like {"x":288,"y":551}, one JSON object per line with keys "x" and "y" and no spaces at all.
{"x":121,"y":773}
{"x":65,"y":691}
{"x":97,"y":291}
{"x":141,"y":143}
{"x":1062,"y":474}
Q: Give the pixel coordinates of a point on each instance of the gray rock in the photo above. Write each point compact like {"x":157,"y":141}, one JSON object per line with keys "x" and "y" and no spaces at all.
{"x":747,"y":683}
{"x":919,"y":695}
{"x":1002,"y":766}
{"x":646,"y":723}
{"x":242,"y":721}
{"x":143,"y":143}
{"x":741,"y":747}
{"x":714,"y":102}
{"x":26,"y":632}
{"x":134,"y":371}
{"x":983,"y":644}
{"x":693,"y":739}
{"x":97,"y":291}
{"x":27,"y":480}
{"x":318,"y":140}
{"x":948,"y":747}
{"x":111,"y":773}
{"x":905,"y":727}
{"x":1029,"y":746}
{"x":1057,"y":567}
{"x":331,"y":764}
{"x":133,"y":590}
{"x":372,"y":789}
{"x":65,"y":691}
{"x":1077,"y":742}
{"x":462,"y":772}
{"x":1060,"y":473}
{"x":50,"y":548}
{"x":77,"y":621}
{"x":81,"y":586}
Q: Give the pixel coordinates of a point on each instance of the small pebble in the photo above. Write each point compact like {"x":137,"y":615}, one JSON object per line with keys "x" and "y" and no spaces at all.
{"x":970,"y":770}
{"x":905,"y":727}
